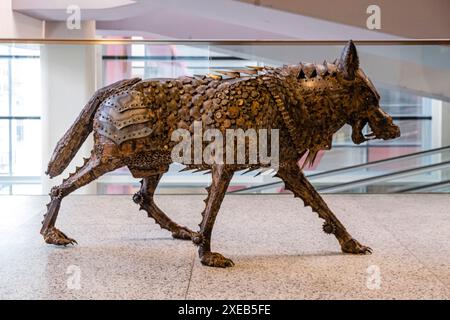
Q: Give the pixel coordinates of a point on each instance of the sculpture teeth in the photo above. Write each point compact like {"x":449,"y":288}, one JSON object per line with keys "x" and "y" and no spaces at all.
{"x":370,"y":136}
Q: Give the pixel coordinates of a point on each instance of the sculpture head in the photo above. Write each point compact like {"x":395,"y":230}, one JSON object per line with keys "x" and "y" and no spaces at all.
{"x":363,"y":104}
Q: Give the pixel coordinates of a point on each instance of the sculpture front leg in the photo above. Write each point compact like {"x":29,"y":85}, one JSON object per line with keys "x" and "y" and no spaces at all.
{"x":91,"y":170}
{"x":296,"y":182}
{"x":221,"y":177}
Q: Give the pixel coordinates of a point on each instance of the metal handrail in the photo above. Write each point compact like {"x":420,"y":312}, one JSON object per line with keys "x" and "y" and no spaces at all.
{"x":228,"y":41}
{"x":425,"y":188}
{"x":389,"y":176}
{"x":350,"y":168}
{"x":9,"y":180}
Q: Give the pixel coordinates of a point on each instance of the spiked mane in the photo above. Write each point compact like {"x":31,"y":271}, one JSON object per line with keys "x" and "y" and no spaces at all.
{"x":310,"y":70}
{"x":306,"y":71}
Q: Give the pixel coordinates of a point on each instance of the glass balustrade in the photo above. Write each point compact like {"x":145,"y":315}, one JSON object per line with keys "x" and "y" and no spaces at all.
{"x":44,"y":85}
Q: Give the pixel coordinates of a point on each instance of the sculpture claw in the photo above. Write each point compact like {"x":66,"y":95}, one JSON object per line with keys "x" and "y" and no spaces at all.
{"x":57,"y":237}
{"x":354,"y":247}
{"x":214,"y":259}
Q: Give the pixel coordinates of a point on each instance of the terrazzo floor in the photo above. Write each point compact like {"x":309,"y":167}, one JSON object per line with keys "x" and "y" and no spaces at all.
{"x":278,"y":247}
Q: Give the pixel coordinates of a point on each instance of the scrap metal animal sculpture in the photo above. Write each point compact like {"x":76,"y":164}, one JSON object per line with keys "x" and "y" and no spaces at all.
{"x":133,"y":121}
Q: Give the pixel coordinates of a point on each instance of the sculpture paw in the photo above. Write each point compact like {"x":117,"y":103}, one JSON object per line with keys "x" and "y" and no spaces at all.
{"x":214,"y":259}
{"x":56,"y":237}
{"x":353,"y":246}
{"x":183,"y":233}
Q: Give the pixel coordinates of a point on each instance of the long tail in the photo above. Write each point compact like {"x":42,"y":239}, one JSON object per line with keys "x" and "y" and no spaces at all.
{"x":72,"y":140}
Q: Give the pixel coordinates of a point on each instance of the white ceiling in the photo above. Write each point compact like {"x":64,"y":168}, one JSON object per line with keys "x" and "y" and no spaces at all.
{"x":199,"y":19}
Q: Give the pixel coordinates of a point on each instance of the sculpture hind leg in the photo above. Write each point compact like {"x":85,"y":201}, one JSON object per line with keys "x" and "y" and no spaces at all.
{"x":221,"y":177}
{"x":296,"y":182}
{"x":91,"y":170}
{"x":146,"y":202}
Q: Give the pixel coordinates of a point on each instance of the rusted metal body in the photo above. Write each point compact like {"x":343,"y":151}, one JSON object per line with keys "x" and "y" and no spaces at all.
{"x":133,"y":121}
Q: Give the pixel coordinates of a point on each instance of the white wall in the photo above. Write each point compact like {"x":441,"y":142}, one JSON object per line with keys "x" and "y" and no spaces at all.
{"x":68,"y":81}
{"x":17,"y":25}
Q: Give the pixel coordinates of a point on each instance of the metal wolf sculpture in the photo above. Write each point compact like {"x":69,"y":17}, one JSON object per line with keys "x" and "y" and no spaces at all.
{"x":133,"y":121}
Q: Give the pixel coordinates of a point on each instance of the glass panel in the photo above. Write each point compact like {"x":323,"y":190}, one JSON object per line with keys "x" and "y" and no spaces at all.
{"x":405,"y":76}
{"x":417,"y":181}
{"x":4,"y":86}
{"x":26,"y":89}
{"x":411,"y":111}
{"x":4,"y":147}
{"x":339,"y":156}
{"x":402,"y":103}
{"x":164,"y":61}
{"x":26,"y":147}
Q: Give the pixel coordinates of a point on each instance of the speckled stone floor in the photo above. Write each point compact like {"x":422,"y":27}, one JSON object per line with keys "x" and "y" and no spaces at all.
{"x":278,"y":247}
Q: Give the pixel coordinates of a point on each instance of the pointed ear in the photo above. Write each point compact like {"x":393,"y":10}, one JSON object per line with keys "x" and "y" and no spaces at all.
{"x":349,"y":62}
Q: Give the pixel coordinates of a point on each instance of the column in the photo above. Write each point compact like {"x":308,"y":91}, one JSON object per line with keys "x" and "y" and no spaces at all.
{"x":68,"y":81}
